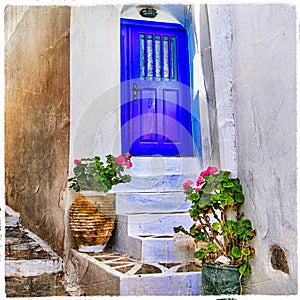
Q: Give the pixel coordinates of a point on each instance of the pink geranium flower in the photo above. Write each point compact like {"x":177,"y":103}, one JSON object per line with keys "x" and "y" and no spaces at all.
{"x":209,"y":171}
{"x":120,"y":160}
{"x":212,"y":170}
{"x":199,"y":181}
{"x":204,"y":173}
{"x":77,"y":162}
{"x":187,"y":184}
{"x":128,"y":155}
{"x":128,"y":164}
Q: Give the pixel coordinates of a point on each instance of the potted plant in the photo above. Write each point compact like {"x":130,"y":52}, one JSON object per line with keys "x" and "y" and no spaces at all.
{"x":92,"y":214}
{"x":216,"y":201}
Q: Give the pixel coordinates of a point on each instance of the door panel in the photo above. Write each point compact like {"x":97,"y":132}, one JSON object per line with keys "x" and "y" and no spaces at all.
{"x":155,"y":89}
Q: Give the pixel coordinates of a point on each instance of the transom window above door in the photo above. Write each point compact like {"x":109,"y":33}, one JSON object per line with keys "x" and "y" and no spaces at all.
{"x":158,"y":57}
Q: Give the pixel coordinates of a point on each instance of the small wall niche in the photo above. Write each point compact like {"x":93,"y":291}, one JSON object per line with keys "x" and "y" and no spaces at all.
{"x":278,"y":259}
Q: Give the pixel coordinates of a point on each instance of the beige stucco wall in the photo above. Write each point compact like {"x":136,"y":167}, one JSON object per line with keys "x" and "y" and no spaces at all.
{"x":37,"y":56}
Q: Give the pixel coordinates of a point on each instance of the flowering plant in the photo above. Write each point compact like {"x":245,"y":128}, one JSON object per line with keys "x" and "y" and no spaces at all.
{"x":93,"y":174}
{"x":216,"y":199}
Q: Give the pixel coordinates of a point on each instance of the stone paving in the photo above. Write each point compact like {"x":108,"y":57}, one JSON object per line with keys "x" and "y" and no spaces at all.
{"x":45,"y":285}
{"x":31,"y":268}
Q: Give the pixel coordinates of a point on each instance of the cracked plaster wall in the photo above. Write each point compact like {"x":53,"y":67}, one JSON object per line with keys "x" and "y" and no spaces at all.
{"x":37,"y":117}
{"x":253,"y":51}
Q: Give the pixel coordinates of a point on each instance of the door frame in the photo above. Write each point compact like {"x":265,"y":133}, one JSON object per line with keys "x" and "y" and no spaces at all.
{"x":125,"y":77}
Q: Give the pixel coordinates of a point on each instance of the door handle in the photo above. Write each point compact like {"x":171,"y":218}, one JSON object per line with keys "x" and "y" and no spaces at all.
{"x":135,"y":89}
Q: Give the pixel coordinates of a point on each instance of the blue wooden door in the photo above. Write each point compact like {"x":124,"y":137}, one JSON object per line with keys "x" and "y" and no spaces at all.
{"x":155,"y":111}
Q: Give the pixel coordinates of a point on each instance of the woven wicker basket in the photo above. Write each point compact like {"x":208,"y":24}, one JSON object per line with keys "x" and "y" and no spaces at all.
{"x":92,"y":220}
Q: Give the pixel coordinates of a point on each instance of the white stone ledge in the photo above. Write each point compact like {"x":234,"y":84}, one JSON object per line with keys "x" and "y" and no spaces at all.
{"x":34,"y":267}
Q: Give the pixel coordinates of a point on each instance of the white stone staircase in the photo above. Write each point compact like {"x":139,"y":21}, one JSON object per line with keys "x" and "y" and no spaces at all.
{"x":151,"y":205}
{"x":144,"y":260}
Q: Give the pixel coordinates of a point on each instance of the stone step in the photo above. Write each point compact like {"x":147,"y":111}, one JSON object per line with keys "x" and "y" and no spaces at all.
{"x":155,"y":183}
{"x":154,"y":224}
{"x":150,"y":237}
{"x":113,"y":274}
{"x":164,"y":165}
{"x":137,"y":203}
{"x":27,"y":255}
{"x":159,"y":249}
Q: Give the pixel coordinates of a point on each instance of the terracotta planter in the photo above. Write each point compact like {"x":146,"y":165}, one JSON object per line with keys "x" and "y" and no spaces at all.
{"x":92,"y":220}
{"x":220,"y":280}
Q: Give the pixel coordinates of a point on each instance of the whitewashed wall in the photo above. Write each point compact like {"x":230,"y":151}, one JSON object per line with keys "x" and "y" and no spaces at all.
{"x":264,"y":64}
{"x":95,"y":77}
{"x":94,"y":85}
{"x":261,"y":87}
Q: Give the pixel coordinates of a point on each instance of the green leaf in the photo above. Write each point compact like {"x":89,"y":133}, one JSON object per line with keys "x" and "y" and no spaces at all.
{"x":200,"y":236}
{"x":210,"y":178}
{"x":220,"y":187}
{"x":200,"y":253}
{"x":240,"y":198}
{"x":215,"y":226}
{"x":204,"y":201}
{"x":194,"y":196}
{"x":211,"y":247}
{"x":238,"y":230}
{"x":230,"y":223}
{"x":230,"y":201}
{"x":245,"y":269}
{"x":207,"y":189}
{"x":178,"y":229}
{"x":236,"y":252}
{"x":228,"y":185}
{"x":217,"y":197}
{"x":246,"y":252}
{"x":247,"y":223}
{"x":193,"y":229}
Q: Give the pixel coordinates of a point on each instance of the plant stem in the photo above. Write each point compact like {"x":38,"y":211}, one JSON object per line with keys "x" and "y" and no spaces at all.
{"x":217,"y":242}
{"x":215,"y":215}
{"x":223,"y":218}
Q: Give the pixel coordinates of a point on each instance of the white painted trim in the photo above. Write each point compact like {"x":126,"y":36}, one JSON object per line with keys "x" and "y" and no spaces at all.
{"x":199,"y":87}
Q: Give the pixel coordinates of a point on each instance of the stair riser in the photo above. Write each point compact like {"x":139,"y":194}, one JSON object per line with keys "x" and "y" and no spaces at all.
{"x":158,"y":183}
{"x":154,"y":250}
{"x":188,"y":284}
{"x":157,"y":224}
{"x":129,"y":203}
{"x":165,"y":251}
{"x":164,"y":165}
